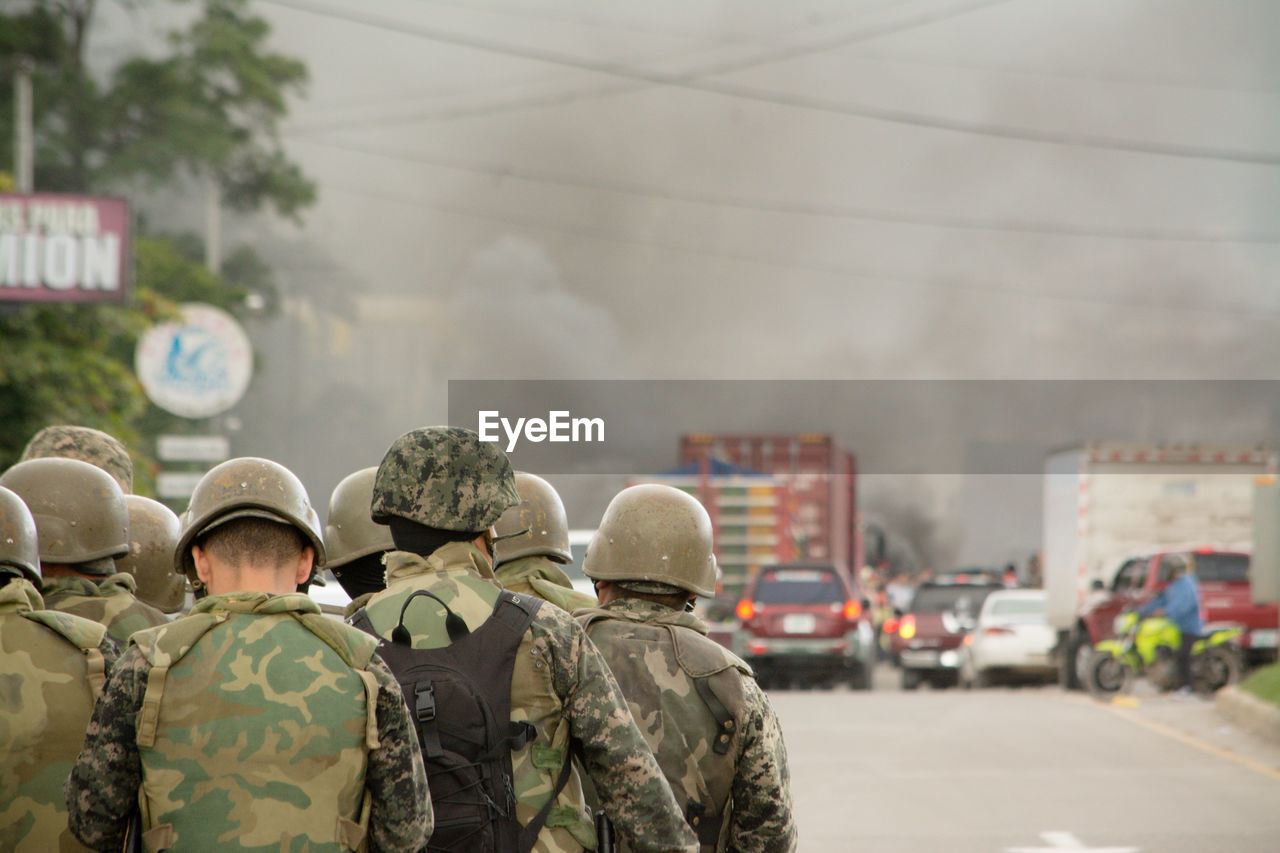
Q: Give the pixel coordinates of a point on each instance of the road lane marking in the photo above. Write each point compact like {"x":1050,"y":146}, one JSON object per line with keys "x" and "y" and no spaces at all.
{"x":1189,"y":740}
{"x":1060,"y":841}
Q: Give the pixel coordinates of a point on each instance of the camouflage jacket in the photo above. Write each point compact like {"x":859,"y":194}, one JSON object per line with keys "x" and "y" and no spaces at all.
{"x":738,"y":762}
{"x":279,"y":730}
{"x":52,"y":667}
{"x":561,"y":685}
{"x":542,"y":578}
{"x":113,"y":601}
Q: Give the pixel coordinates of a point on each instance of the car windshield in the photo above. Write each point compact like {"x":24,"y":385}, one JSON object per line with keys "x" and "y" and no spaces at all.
{"x":1020,"y":609}
{"x":1222,"y":568}
{"x":938,"y":599}
{"x":799,"y":586}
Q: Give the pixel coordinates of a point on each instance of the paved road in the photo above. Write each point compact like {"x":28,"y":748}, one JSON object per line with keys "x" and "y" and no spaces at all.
{"x":1031,"y":769}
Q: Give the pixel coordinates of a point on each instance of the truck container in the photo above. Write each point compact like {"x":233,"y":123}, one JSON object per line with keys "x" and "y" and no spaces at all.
{"x":1106,"y":503}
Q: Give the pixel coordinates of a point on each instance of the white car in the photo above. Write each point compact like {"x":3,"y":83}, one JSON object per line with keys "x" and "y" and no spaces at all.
{"x":1010,"y":640}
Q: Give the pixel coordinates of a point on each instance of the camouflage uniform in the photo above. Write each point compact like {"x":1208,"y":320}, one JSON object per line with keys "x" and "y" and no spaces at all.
{"x":655,"y":653}
{"x":111,"y":601}
{"x":562,"y":686}
{"x":53,"y":668}
{"x":446,"y":479}
{"x":86,"y":444}
{"x":542,"y":578}
{"x":296,"y":754}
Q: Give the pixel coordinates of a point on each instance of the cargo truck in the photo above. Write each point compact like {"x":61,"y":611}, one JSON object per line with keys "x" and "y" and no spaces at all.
{"x":1112,"y":510}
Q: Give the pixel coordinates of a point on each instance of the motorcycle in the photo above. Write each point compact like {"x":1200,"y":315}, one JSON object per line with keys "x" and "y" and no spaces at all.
{"x":1149,"y":648}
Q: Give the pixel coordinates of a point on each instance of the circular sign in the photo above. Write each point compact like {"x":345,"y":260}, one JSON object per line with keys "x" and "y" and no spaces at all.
{"x":198,"y":367}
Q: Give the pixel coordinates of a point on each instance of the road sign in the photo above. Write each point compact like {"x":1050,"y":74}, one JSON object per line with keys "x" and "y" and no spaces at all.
{"x":198,"y":367}
{"x":177,"y":485}
{"x":193,"y":448}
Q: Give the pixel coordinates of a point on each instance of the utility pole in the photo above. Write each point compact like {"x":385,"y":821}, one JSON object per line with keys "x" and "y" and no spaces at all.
{"x":24,"y":148}
{"x":212,"y":222}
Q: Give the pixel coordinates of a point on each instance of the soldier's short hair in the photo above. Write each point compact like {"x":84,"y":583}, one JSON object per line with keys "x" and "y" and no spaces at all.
{"x":250,"y":539}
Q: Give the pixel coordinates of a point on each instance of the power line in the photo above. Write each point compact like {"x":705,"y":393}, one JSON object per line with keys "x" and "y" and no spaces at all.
{"x":928,"y":283}
{"x":796,"y":101}
{"x":827,"y":211}
{"x":553,"y":99}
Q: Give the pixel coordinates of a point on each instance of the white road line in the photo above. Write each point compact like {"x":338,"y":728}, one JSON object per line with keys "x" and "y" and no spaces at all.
{"x":1059,"y":841}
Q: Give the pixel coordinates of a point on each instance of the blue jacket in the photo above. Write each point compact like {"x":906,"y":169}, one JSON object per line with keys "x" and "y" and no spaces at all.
{"x":1181,"y":603}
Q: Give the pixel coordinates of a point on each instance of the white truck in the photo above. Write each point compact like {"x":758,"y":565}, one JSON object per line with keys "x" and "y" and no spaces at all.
{"x":1108,"y":504}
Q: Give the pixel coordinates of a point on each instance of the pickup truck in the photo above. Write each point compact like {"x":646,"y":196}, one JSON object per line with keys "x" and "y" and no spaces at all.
{"x":1225,"y":596}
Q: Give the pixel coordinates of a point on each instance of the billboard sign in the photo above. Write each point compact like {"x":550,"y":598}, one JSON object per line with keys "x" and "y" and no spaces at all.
{"x":63,"y":248}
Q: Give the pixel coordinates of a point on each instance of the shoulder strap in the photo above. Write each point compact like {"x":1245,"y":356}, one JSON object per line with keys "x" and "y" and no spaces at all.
{"x":724,"y":720}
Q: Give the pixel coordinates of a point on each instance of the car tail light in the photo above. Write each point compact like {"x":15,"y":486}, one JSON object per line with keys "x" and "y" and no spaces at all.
{"x":746,"y":609}
{"x":907,"y":629}
{"x":891,"y":625}
{"x":758,"y":648}
{"x":994,"y":630}
{"x":962,"y":578}
{"x":852,"y":609}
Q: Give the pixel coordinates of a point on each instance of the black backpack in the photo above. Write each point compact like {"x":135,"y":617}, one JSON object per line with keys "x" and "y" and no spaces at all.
{"x":459,"y":697}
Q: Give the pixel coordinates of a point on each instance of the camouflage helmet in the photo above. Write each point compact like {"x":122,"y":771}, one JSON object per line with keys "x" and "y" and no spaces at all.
{"x":444,"y":477}
{"x":247,"y":487}
{"x":654,"y":534}
{"x":153,"y":537}
{"x":80,"y":514}
{"x":350,"y":532}
{"x":18,"y":542}
{"x":540,"y":520}
{"x":86,"y":444}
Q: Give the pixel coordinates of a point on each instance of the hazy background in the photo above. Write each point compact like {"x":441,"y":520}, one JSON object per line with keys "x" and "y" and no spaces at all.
{"x":1065,"y":189}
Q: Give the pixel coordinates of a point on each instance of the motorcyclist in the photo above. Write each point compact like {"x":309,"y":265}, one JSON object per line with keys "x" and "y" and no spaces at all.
{"x":1180,"y":602}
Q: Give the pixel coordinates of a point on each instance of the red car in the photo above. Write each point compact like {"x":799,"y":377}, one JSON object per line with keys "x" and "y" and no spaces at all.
{"x":925,"y":641}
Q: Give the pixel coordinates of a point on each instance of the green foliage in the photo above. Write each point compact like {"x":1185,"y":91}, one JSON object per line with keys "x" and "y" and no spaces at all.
{"x":1264,"y":683}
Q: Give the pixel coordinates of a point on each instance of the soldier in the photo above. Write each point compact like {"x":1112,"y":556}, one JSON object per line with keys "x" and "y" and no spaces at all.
{"x":355,"y":544}
{"x":83,"y":525}
{"x":711,"y":727}
{"x":440,"y":489}
{"x":254,"y":721}
{"x":86,"y":444}
{"x":531,"y":542}
{"x":54,"y":666}
{"x":153,"y":538}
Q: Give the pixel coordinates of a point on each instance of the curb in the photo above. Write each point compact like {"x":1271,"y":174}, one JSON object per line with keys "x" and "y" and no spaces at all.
{"x":1258,"y":716}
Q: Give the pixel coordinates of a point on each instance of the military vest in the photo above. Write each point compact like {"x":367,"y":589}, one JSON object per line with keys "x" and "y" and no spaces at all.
{"x":255,"y":727}
{"x":460,"y":575}
{"x":51,"y":672}
{"x":685,"y":692}
{"x":112,"y":601}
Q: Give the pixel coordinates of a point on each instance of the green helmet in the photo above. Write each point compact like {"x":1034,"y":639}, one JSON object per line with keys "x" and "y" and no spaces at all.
{"x":80,"y":514}
{"x":350,"y":532}
{"x":153,"y":536}
{"x":535,"y":526}
{"x":444,"y":477}
{"x":18,"y":542}
{"x":247,"y":487}
{"x":654,"y":534}
{"x":86,"y":444}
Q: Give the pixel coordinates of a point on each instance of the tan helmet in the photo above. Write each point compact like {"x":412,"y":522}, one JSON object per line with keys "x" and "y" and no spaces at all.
{"x":657,"y":534}
{"x":540,"y":515}
{"x":350,"y":532}
{"x":247,"y":487}
{"x":18,"y":541}
{"x":80,"y":514}
{"x":153,"y":537}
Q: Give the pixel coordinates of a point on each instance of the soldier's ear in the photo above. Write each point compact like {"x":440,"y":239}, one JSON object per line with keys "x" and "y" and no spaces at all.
{"x":306,"y":561}
{"x":201,"y":559}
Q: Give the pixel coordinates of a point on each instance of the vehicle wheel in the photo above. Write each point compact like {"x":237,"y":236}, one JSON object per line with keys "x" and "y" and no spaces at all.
{"x":1106,"y":675}
{"x":1069,"y":668}
{"x":1215,"y":668}
{"x":910,"y":679}
{"x":860,"y":678}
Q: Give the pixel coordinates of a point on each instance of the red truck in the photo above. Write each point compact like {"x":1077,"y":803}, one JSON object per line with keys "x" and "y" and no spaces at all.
{"x":1225,"y":597}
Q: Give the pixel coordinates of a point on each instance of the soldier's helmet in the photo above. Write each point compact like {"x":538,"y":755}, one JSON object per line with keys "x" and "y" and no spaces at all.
{"x":153,"y":538}
{"x":540,"y":515}
{"x":443,"y":477}
{"x":66,"y":441}
{"x":80,"y":514}
{"x":350,"y":532}
{"x":19,"y":547}
{"x":247,"y":487}
{"x":652,"y":537}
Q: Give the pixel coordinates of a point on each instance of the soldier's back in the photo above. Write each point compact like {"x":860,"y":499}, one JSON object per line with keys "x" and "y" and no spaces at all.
{"x":112,"y":602}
